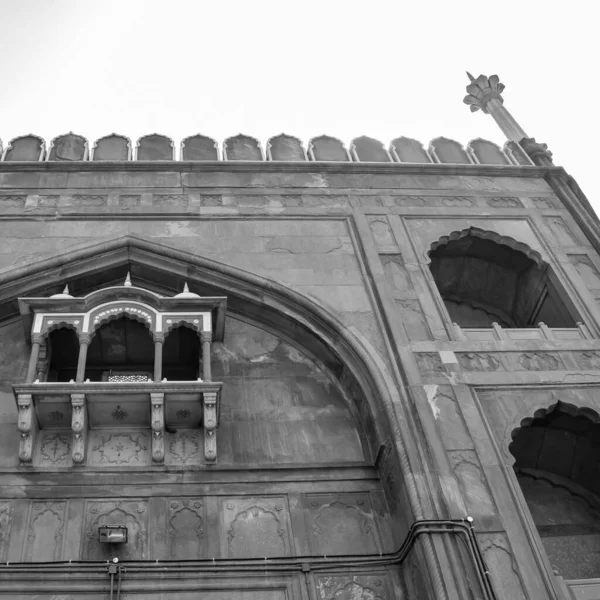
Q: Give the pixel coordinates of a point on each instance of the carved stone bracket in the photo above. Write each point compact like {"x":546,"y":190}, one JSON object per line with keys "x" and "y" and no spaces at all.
{"x":537,"y":151}
{"x":210,"y":426}
{"x":28,"y":426}
{"x":79,"y":428}
{"x":158,"y":427}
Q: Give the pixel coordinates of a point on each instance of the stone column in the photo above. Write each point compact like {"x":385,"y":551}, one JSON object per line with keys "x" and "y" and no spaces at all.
{"x":78,"y":428}
{"x":28,"y":427}
{"x":159,"y":340}
{"x":36,"y":341}
{"x":41,"y":371}
{"x":84,"y":342}
{"x":210,"y":426}
{"x":158,"y":426}
{"x":206,"y":338}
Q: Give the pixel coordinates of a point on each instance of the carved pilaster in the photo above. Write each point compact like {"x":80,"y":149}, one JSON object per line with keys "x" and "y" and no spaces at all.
{"x":27,"y":424}
{"x":79,"y":428}
{"x":210,"y":426}
{"x":159,"y":340}
{"x":158,"y":427}
{"x":206,"y":338}
{"x":42,"y":362}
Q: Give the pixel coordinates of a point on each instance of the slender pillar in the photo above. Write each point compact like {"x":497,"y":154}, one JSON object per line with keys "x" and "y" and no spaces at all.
{"x":206,"y":338}
{"x":84,"y":342}
{"x":159,"y":340}
{"x":42,"y":363}
{"x":36,"y":341}
{"x":210,"y":426}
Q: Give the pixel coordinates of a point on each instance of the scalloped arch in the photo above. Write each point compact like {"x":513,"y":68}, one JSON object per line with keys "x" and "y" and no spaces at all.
{"x":59,"y":325}
{"x":182,"y":323}
{"x":112,"y":152}
{"x":503,"y":240}
{"x":122,"y":314}
{"x":12,"y":153}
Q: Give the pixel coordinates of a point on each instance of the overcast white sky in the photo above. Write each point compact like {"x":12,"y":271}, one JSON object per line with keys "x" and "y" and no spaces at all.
{"x":382,"y":68}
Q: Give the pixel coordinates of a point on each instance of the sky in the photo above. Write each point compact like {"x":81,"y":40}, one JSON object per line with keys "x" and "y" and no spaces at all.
{"x":382,"y":68}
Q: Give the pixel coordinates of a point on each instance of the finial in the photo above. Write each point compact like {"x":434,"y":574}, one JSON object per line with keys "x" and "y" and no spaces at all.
{"x":471,"y":78}
{"x":127,"y":280}
{"x":482,"y":90}
{"x":186,"y":289}
{"x":66,"y":290}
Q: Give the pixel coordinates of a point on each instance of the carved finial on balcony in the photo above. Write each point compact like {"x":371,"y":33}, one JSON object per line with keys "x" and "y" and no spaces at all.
{"x":186,"y":288}
{"x":482,"y":90}
{"x":127,"y":280}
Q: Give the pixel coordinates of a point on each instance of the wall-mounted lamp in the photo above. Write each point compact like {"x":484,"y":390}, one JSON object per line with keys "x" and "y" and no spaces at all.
{"x":112,"y":534}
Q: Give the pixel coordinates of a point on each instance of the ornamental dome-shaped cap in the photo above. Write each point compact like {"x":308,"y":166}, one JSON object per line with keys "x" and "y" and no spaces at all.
{"x":186,"y":293}
{"x":64,"y":294}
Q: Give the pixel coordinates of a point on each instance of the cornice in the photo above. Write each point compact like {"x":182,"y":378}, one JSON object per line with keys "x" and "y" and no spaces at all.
{"x":277,"y":167}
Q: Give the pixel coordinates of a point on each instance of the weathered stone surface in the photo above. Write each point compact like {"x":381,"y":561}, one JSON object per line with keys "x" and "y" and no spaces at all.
{"x":327,"y":148}
{"x":409,"y":151}
{"x":27,"y":147}
{"x":285,"y":147}
{"x":366,"y":149}
{"x":112,"y":147}
{"x":155,"y":147}
{"x":199,"y":147}
{"x":242,"y":147}
{"x":487,"y":153}
{"x":68,"y":147}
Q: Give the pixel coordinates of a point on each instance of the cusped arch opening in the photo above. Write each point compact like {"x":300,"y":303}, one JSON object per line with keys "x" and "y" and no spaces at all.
{"x":62,"y":349}
{"x":121,"y":350}
{"x":557,"y":464}
{"x":181,"y":359}
{"x":485,"y":278}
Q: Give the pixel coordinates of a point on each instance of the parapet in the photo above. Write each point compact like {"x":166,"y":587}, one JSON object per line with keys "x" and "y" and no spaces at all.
{"x":282,"y":148}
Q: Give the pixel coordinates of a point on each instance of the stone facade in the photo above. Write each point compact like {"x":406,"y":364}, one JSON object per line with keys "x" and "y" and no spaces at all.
{"x":359,"y":425}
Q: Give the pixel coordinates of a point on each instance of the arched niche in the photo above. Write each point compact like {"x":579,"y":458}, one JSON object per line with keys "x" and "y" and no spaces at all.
{"x":199,"y":147}
{"x":25,"y":148}
{"x":285,"y":148}
{"x":557,"y":464}
{"x":68,"y":147}
{"x":155,"y":147}
{"x":444,"y":150}
{"x":485,"y":278}
{"x":181,"y":354}
{"x":366,"y":149}
{"x":119,"y":346}
{"x":407,"y":150}
{"x":242,"y":147}
{"x":485,"y":152}
{"x":62,"y":353}
{"x":327,"y":148}
{"x":112,"y":147}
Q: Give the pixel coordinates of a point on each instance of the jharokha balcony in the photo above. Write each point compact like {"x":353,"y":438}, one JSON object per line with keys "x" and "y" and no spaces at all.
{"x":119,"y":359}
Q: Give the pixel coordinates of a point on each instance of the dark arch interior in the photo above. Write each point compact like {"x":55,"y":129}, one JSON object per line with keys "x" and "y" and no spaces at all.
{"x":482,"y":282}
{"x":181,"y":355}
{"x":119,"y":347}
{"x":557,"y":463}
{"x":63,"y":352}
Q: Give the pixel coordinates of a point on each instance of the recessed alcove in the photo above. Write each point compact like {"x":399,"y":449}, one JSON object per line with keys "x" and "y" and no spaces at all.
{"x":485,"y":278}
{"x":557,"y":463}
{"x":181,"y":355}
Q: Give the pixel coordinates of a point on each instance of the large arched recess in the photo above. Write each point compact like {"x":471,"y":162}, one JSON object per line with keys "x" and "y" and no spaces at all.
{"x":255,"y":298}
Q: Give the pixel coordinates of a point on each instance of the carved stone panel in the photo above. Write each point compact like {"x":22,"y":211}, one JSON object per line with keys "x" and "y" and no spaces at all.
{"x":27,"y":147}
{"x":6,"y":508}
{"x":430,"y":362}
{"x":45,"y":530}
{"x":479,"y":361}
{"x":561,"y":231}
{"x":132,"y":513}
{"x":413,"y":320}
{"x":472,"y":479}
{"x":539,"y":361}
{"x":382,"y":232}
{"x":395,"y":272}
{"x":110,"y":449}
{"x":255,"y":527}
{"x":286,"y":147}
{"x":504,"y":202}
{"x":353,"y":587}
{"x":186,"y":447}
{"x":503,"y":567}
{"x":586,"y":268}
{"x":54,"y":448}
{"x":199,"y":147}
{"x":186,"y":536}
{"x":342,"y":524}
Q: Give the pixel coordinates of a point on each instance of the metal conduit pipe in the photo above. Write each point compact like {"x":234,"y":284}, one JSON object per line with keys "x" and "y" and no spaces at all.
{"x":462,"y":527}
